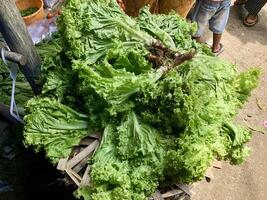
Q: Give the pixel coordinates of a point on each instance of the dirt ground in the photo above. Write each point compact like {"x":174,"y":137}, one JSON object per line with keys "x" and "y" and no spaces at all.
{"x":246,"y":47}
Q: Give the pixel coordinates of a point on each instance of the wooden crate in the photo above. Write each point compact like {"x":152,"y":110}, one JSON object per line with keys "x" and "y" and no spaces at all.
{"x":78,"y":171}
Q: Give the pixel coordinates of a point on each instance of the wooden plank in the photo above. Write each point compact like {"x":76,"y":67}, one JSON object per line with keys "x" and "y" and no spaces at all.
{"x":86,"y":178}
{"x":184,"y":188}
{"x":75,"y":180}
{"x":75,"y":174}
{"x":18,"y":39}
{"x":83,"y":154}
{"x":80,"y":165}
{"x":172,"y":193}
{"x":157,"y":196}
{"x":62,"y":164}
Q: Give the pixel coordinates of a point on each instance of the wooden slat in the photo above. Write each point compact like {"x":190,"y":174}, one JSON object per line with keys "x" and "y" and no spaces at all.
{"x":86,"y":178}
{"x":80,"y":165}
{"x":172,"y":193}
{"x":184,"y":188}
{"x":75,"y":180}
{"x":157,"y":196}
{"x":62,"y":164}
{"x":83,"y":154}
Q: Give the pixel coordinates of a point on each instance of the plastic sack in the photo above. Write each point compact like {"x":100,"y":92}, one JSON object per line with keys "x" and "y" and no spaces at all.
{"x":182,"y":7}
{"x":132,"y":7}
{"x":5,"y":187}
{"x":50,"y":3}
{"x":42,"y":29}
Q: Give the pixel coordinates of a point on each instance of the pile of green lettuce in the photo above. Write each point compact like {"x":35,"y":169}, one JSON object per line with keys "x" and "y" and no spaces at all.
{"x":23,"y":90}
{"x":164,"y":105}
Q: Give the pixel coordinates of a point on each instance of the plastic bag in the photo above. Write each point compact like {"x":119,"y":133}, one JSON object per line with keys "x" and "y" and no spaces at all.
{"x":50,"y":3}
{"x":42,"y":29}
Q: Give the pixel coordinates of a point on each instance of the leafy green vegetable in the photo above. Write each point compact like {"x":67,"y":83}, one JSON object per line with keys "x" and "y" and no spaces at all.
{"x":246,"y":82}
{"x":164,"y":116}
{"x":59,"y":80}
{"x":172,"y":30}
{"x":95,"y":29}
{"x":101,"y":28}
{"x":195,"y":102}
{"x":23,"y":90}
{"x":121,"y":165}
{"x":28,"y":11}
{"x":54,"y":127}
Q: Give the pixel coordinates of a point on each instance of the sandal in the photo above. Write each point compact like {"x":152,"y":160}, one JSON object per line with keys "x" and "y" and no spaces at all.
{"x":240,"y":2}
{"x":247,"y":24}
{"x":219,"y":51}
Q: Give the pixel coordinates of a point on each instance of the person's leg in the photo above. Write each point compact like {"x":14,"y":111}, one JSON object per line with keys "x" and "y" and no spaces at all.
{"x":216,"y":42}
{"x":202,"y":16}
{"x":254,"y":6}
{"x":251,"y":20}
{"x":217,"y":25}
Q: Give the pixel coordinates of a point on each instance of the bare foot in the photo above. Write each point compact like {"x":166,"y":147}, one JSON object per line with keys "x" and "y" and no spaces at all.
{"x":218,"y":49}
{"x":251,"y":20}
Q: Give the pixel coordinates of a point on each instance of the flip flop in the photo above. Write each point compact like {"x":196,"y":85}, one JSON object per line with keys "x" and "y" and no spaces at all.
{"x":218,"y":52}
{"x":250,"y":24}
{"x":240,"y":2}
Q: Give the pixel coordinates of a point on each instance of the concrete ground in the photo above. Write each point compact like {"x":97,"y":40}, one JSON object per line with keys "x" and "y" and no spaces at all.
{"x":246,"y":47}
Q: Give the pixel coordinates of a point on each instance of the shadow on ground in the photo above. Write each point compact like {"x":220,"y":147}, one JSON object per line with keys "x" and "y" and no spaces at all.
{"x":235,"y":26}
